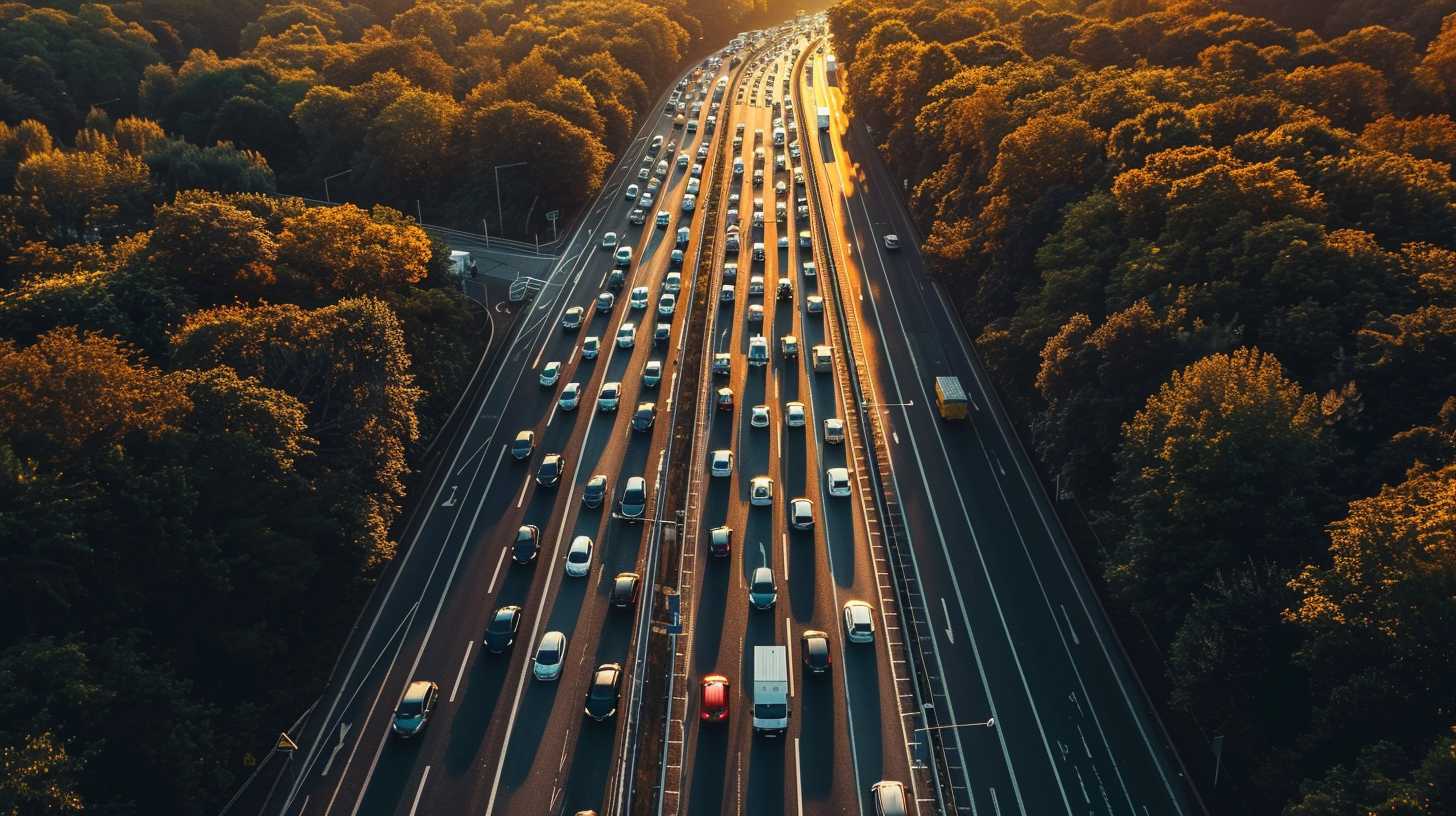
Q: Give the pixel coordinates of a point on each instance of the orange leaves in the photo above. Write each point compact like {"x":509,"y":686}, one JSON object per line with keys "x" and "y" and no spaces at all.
{"x":345,"y":249}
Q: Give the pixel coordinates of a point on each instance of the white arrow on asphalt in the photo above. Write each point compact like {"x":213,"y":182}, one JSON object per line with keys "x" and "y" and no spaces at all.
{"x":343,"y":732}
{"x":949,"y":632}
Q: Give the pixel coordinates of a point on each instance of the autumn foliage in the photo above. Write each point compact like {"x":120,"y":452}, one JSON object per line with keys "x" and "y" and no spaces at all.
{"x":1207,"y":247}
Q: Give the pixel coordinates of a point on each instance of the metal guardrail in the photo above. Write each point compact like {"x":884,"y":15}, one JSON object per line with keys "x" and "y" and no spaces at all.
{"x":910,"y":600}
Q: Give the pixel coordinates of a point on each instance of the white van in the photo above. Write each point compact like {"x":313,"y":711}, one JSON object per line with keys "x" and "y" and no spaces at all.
{"x":758,"y":251}
{"x":738,"y":167}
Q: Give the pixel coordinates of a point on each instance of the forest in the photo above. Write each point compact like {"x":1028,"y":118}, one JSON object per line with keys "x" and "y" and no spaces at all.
{"x":1207,"y":249}
{"x":213,"y":396}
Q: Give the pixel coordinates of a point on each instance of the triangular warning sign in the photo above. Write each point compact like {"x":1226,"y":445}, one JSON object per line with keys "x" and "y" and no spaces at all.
{"x":285,"y":742}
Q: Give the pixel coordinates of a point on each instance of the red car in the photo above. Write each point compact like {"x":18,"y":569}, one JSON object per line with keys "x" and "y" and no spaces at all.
{"x":715,"y":698}
{"x":725,"y":399}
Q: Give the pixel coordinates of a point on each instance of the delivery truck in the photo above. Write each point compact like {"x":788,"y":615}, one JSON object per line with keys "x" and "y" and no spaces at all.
{"x":951,"y":398}
{"x":770,"y":690}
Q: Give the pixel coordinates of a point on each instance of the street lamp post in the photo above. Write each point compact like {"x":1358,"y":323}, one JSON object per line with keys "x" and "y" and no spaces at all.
{"x":645,"y":520}
{"x":499,"y":213}
{"x":868,"y":405}
{"x":989,"y":723}
{"x":334,"y":176}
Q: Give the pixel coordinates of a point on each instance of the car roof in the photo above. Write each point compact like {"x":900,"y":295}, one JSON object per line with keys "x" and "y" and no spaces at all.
{"x":762,"y":574}
{"x":417,"y":690}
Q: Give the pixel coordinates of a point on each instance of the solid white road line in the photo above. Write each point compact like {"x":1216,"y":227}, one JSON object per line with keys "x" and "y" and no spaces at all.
{"x":789,"y":642}
{"x":798,"y":778}
{"x":464,"y":661}
{"x":522,"y":498}
{"x":500,"y":562}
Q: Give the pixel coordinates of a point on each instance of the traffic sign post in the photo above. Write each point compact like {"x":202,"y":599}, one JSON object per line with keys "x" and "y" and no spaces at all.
{"x":674,"y":612}
{"x":551,"y":216}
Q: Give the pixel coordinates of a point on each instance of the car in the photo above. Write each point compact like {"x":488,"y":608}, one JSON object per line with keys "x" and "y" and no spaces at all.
{"x":571,"y":318}
{"x":720,"y":463}
{"x":789,"y":346}
{"x":859,"y":622}
{"x":609,"y":240}
{"x":760,"y":492}
{"x":755,"y":284}
{"x":693,"y":185}
{"x":725,"y":295}
{"x":761,"y":590}
{"x":794,"y":415}
{"x":724,"y":399}
{"x":682,"y":161}
{"x":675,"y":258}
{"x":623,"y":256}
{"x":594,"y":492}
{"x":413,"y":712}
{"x":892,"y":241}
{"x":801,"y":514}
{"x":615,"y":280}
{"x":605,"y":692}
{"x":672,"y":283}
{"x":653,"y":185}
{"x":637,"y":217}
{"x":833,"y":431}
{"x":667,"y":304}
{"x":501,"y":632}
{"x":713,"y":700}
{"x":810,"y":270}
{"x":552,"y":466}
{"x":527,"y":544}
{"x":783,"y":242}
{"x":550,"y":656}
{"x":720,"y":541}
{"x":645,"y":173}
{"x":605,"y":302}
{"x":661,"y":333}
{"x":625,"y":588}
{"x":663,"y":218}
{"x":722,"y":363}
{"x":608,"y":396}
{"x":645,"y":415}
{"x":814,"y":304}
{"x":689,"y":202}
{"x":550,"y":373}
{"x":647,"y":198}
{"x":759,"y":416}
{"x":836,"y":480}
{"x":579,"y":557}
{"x":785,"y":289}
{"x":590,"y":347}
{"x":814,"y":646}
{"x":889,"y":798}
{"x":755,"y":313}
{"x":626,"y":335}
{"x":570,"y":396}
{"x":631,"y":192}
{"x":634,"y":499}
{"x":638,"y":298}
{"x":523,"y":445}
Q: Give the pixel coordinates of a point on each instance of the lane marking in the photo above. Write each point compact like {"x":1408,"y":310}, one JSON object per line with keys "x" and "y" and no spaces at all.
{"x":949,"y":632}
{"x":499,"y":562}
{"x":798,"y":777}
{"x":464,"y":661}
{"x":521,"y":498}
{"x":789,"y":643}
{"x":1071,"y":631}
{"x":420,"y":790}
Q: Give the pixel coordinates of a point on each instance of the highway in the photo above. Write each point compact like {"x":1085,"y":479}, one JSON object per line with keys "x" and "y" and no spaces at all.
{"x":1017,"y":632}
{"x":499,"y":741}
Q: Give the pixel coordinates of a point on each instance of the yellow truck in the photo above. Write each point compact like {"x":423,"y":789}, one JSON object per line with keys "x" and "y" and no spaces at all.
{"x":951,"y":398}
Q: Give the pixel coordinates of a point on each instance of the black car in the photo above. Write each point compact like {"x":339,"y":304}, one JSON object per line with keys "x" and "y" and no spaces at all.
{"x":634,"y":499}
{"x":605,"y":692}
{"x":615,"y":279}
{"x":550,"y":471}
{"x":527,"y":544}
{"x":625,"y":588}
{"x":660,"y":334}
{"x":815,"y":646}
{"x":595,"y":491}
{"x":645,"y":416}
{"x":501,"y":632}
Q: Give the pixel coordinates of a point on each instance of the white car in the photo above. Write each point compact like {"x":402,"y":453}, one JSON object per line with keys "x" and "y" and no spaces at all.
{"x":550,"y":373}
{"x":689,"y":202}
{"x":609,"y":240}
{"x":626,"y":335}
{"x":794,"y":415}
{"x":698,"y":170}
{"x":693,"y":186}
{"x":632,"y":191}
{"x":801,"y":514}
{"x":755,"y":313}
{"x":590,"y":347}
{"x":638,"y":299}
{"x":783,"y":242}
{"x":859,"y":622}
{"x":672,"y":283}
{"x":814,"y":304}
{"x":570,"y":396}
{"x":726,"y":295}
{"x":755,"y":284}
{"x":579,"y":557}
{"x":550,"y":656}
{"x":624,"y":256}
{"x":760,"y":493}
{"x":833,"y":431}
{"x":837,"y":481}
{"x":609,"y":396}
{"x":759,"y":417}
{"x":667,"y":304}
{"x":892,"y":241}
{"x":646,"y":200}
{"x":721,"y":463}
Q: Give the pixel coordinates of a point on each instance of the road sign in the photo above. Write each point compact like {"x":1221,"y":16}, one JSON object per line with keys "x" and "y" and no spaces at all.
{"x":285,"y":742}
{"x":674,"y":614}
{"x":552,"y":215}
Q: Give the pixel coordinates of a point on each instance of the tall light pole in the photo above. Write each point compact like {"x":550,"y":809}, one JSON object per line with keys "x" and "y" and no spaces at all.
{"x":334,"y":176}
{"x":990,"y":723}
{"x":499,"y":213}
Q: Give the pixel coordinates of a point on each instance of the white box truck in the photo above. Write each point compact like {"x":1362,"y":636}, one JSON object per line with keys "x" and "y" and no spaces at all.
{"x":770,"y":690}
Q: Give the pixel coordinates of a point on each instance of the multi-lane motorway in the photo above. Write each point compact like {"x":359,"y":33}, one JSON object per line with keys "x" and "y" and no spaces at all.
{"x":1018,"y":636}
